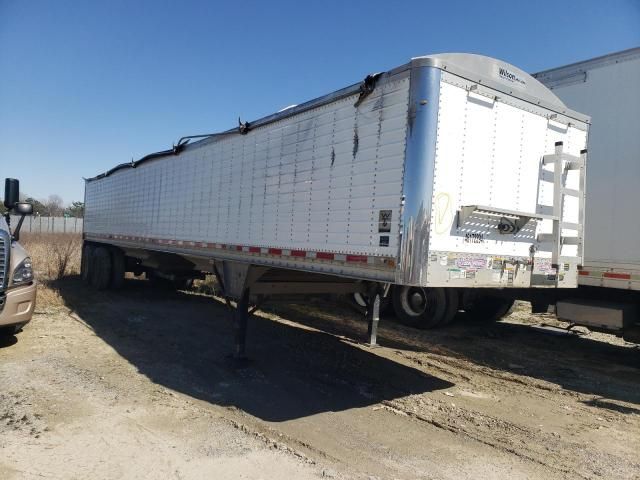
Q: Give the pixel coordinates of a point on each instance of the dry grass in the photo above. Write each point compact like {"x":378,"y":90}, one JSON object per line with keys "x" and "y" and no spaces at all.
{"x":54,"y":256}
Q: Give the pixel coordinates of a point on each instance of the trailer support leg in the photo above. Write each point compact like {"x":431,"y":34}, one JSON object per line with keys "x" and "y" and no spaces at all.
{"x":240,"y":325}
{"x":373,"y":314}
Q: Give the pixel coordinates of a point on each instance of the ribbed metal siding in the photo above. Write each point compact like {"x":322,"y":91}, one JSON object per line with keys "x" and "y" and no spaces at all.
{"x":312,"y":181}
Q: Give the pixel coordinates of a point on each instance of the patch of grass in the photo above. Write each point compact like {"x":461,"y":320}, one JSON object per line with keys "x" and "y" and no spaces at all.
{"x":54,"y":256}
{"x":207,"y":286}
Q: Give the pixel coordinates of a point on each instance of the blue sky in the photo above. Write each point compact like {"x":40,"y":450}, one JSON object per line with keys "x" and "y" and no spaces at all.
{"x":85,"y":85}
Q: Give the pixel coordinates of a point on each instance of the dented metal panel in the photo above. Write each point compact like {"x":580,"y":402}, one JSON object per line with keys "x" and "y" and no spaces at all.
{"x":315,"y":181}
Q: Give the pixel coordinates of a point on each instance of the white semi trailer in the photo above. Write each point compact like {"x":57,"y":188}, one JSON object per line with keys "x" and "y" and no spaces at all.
{"x":455,"y":180}
{"x":608,"y":89}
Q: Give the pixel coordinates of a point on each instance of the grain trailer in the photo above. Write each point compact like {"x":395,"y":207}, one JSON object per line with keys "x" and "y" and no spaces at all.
{"x":457,"y":179}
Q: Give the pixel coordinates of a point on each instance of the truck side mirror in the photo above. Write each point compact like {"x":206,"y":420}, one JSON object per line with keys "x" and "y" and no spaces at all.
{"x":23,"y":208}
{"x":11,"y":192}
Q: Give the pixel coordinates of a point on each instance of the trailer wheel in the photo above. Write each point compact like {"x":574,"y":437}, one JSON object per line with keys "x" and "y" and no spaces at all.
{"x":419,"y":307}
{"x":453,"y":304}
{"x":117,"y":268}
{"x":360,"y":301}
{"x":488,"y":309}
{"x":101,"y":266}
{"x":85,"y":263}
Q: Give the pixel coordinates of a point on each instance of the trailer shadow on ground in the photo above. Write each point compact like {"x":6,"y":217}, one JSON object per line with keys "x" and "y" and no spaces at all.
{"x":183,"y":342}
{"x":312,"y":363}
{"x":571,"y":361}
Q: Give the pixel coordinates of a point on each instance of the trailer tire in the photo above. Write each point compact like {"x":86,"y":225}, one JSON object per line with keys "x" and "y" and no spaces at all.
{"x":452,"y":306}
{"x":117,"y":268}
{"x":490,"y":309}
{"x":359,"y":300}
{"x":85,"y":263}
{"x":419,"y":307}
{"x":101,"y":266}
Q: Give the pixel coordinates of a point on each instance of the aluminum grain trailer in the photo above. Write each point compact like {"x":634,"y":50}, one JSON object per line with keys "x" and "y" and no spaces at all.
{"x":607,"y":89}
{"x":456,"y":179}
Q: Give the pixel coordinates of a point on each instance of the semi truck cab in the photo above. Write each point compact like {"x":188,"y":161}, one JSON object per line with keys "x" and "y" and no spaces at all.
{"x":17,"y":283}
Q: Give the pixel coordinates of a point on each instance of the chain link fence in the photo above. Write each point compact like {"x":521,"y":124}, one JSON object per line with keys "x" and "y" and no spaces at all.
{"x":38,"y":224}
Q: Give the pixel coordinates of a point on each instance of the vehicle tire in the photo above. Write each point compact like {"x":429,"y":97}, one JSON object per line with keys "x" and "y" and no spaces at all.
{"x":453,"y":305}
{"x":117,"y":268}
{"x":101,"y":266}
{"x":6,"y":332}
{"x":85,"y":263}
{"x":489,"y":309}
{"x":419,"y":307}
{"x":11,"y":330}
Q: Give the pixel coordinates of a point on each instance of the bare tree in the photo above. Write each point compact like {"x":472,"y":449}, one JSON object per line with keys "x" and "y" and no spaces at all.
{"x":54,"y":205}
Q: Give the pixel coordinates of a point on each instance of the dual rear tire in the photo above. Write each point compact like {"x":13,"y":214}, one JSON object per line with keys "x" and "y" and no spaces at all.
{"x":427,"y":308}
{"x":487,"y":309}
{"x":102,"y":267}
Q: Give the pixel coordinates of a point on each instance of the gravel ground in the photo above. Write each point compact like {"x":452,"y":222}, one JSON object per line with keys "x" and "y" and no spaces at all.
{"x":138,"y":384}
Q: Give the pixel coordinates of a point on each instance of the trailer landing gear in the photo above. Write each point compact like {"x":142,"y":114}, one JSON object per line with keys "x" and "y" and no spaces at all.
{"x":249,"y":284}
{"x":241,"y":319}
{"x":374,"y":300}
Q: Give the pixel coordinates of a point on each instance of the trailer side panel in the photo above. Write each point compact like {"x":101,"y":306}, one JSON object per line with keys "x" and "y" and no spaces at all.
{"x":313,"y":185}
{"x":607,"y":89}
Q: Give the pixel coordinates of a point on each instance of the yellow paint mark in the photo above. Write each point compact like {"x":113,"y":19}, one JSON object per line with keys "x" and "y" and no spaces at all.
{"x":443,"y":215}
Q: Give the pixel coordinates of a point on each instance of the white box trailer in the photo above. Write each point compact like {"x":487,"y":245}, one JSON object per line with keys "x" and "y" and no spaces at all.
{"x":606,"y":88}
{"x":447,"y":175}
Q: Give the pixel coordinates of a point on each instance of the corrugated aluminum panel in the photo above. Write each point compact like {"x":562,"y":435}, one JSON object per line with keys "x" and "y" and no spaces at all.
{"x":313,"y":181}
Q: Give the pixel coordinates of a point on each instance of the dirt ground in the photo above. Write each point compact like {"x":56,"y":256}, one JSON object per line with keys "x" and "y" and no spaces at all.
{"x":138,"y":384}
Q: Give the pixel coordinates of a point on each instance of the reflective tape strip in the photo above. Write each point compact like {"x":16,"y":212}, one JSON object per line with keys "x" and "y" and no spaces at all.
{"x":376,"y":261}
{"x":617,"y":276}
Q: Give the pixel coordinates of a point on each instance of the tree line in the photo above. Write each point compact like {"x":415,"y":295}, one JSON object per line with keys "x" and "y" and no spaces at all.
{"x":53,"y":206}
